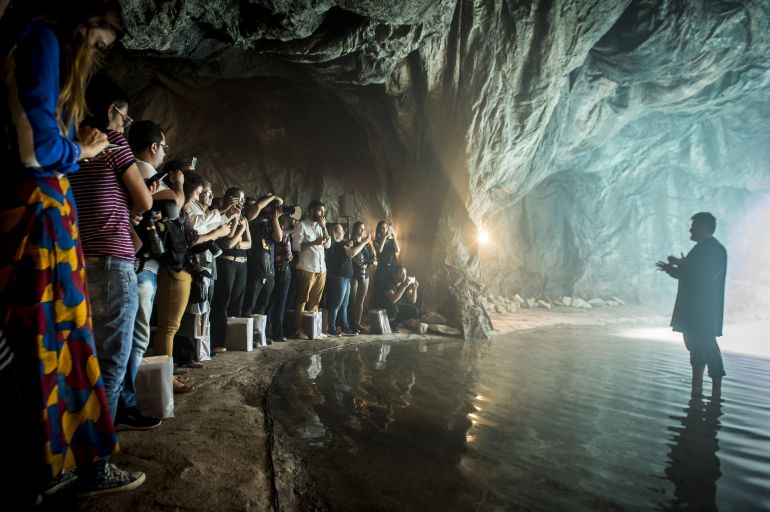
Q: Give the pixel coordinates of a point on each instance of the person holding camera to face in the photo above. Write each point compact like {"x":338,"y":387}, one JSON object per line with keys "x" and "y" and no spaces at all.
{"x":310,"y":241}
{"x":176,"y":275}
{"x":340,"y":273}
{"x":386,"y":251}
{"x":263,"y":215}
{"x":276,"y":306}
{"x":359,"y":284}
{"x":231,"y":268}
{"x":399,"y":297}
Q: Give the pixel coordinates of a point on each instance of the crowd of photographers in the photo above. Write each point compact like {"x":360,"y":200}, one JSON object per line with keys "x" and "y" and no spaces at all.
{"x":108,"y":249}
{"x":158,"y":245}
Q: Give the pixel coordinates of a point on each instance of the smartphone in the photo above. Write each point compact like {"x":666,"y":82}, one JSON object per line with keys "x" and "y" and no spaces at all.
{"x":193,"y":162}
{"x":107,"y":150}
{"x":156,"y":177}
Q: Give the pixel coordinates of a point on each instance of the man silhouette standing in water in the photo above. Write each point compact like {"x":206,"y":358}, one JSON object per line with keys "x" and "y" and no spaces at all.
{"x":700,"y":300}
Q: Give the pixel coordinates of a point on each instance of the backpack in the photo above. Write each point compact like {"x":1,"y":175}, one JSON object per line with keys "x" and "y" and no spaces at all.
{"x":171,"y":231}
{"x":175,"y":242}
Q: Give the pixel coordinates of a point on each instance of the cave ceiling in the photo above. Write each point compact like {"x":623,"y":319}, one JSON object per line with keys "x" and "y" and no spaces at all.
{"x":584,"y":132}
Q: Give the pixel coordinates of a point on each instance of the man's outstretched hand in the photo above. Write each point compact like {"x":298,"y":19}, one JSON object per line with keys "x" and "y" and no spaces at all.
{"x":673,"y":260}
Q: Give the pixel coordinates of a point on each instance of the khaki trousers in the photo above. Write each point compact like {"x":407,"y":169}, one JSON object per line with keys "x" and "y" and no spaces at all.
{"x":173,"y":294}
{"x":310,"y":287}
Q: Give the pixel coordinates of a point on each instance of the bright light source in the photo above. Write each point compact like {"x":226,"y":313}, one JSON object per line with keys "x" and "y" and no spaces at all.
{"x":483,"y":236}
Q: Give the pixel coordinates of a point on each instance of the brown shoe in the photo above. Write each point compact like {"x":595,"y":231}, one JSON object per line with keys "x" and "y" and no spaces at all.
{"x":219,"y":350}
{"x":181,"y":387}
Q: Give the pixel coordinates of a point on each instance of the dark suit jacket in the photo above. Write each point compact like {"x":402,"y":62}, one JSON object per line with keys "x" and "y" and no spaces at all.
{"x":700,"y":299}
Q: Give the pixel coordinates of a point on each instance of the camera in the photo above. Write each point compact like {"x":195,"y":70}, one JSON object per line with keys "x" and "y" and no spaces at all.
{"x":152,"y":227}
{"x":211,"y":246}
{"x":292,"y":211}
{"x":149,"y":231}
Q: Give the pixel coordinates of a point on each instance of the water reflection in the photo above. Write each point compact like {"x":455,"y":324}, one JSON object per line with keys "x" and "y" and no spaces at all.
{"x":693,"y":465}
{"x":383,"y":357}
{"x":579,"y":420}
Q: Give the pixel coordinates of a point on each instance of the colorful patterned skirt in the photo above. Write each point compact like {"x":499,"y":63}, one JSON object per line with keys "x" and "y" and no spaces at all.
{"x":63,"y":415}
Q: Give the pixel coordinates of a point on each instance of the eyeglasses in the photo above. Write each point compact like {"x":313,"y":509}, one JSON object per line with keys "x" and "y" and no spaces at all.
{"x":127,"y":120}
{"x":164,"y":146}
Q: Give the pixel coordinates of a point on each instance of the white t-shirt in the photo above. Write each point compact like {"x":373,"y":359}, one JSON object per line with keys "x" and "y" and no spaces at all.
{"x":148,"y":171}
{"x":311,"y":259}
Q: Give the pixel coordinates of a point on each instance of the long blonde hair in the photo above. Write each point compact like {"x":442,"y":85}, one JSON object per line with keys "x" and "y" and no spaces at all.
{"x":79,"y":60}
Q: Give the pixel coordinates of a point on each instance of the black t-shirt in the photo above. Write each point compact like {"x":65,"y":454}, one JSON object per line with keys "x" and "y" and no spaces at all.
{"x":262,"y":244}
{"x":337,"y":262}
{"x":222,"y":242}
{"x":386,"y":259}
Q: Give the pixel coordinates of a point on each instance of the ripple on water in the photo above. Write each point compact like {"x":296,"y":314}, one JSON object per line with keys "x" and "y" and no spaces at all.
{"x":559,"y":419}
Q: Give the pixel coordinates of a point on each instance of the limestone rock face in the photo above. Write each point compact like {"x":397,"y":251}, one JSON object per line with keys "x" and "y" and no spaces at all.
{"x":443,"y":329}
{"x":580,"y":304}
{"x":581,"y":134}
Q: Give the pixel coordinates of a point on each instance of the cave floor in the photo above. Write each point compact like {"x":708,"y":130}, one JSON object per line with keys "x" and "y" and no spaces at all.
{"x":214,"y":454}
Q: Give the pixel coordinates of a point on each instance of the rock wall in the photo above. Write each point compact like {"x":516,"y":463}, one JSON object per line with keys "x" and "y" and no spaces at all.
{"x":581,"y":134}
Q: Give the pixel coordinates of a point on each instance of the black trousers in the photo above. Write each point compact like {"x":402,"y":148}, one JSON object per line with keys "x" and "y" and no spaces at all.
{"x":258,"y":289}
{"x":276,"y":306}
{"x":401,"y":311}
{"x":228,"y":298}
{"x":704,"y":351}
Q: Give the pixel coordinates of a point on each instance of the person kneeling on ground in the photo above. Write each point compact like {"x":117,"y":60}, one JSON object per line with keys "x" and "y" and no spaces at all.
{"x":399,"y":297}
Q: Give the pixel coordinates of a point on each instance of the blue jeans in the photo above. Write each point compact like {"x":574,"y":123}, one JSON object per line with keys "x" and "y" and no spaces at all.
{"x":112,"y":288}
{"x":148,"y":286}
{"x":337,"y":301}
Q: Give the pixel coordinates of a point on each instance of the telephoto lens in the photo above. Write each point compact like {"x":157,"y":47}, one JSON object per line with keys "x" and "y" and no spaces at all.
{"x":153,"y":240}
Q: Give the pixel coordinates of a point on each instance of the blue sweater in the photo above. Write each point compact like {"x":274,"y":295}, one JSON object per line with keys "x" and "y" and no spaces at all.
{"x":36,"y":146}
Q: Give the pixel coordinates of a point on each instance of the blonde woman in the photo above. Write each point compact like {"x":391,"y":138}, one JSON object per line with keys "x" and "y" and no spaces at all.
{"x":59,"y":418}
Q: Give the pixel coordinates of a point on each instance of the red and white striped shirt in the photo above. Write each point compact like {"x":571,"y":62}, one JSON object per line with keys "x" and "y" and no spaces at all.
{"x":102,"y":202}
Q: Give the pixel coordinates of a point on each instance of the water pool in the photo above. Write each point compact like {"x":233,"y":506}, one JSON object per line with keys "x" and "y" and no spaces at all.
{"x":573,"y":418}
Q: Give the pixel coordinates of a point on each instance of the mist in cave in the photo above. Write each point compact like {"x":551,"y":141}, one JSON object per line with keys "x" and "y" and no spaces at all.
{"x":526,"y":153}
{"x":581,"y":135}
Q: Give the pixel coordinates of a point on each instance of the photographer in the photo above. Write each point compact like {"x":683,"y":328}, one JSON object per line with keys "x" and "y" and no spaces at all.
{"x":276,"y":306}
{"x":231,"y":269}
{"x":359,"y":284}
{"x":310,"y":240}
{"x":148,"y":143}
{"x":340,"y":272}
{"x":387,"y":249}
{"x":263,"y":216}
{"x":175,"y":276}
{"x":399,"y":297}
{"x":206,"y":220}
